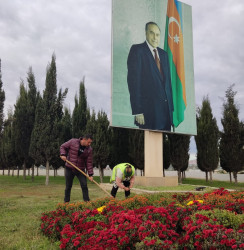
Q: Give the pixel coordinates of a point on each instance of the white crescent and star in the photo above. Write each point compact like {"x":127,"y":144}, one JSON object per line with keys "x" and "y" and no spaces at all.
{"x":176,"y":36}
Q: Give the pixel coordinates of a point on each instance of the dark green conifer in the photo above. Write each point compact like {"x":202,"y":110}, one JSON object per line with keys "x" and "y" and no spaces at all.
{"x":101,"y":141}
{"x":230,"y":142}
{"x":80,"y":112}
{"x":179,"y":152}
{"x":2,"y":99}
{"x":136,"y":148}
{"x":45,"y":140}
{"x":207,"y":139}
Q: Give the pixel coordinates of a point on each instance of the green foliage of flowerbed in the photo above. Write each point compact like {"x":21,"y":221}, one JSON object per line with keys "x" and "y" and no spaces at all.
{"x":211,"y":220}
{"x":217,"y":216}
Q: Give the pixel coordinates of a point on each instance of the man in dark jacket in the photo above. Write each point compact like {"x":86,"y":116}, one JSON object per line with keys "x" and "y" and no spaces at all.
{"x":79,"y":152}
{"x":149,"y":83}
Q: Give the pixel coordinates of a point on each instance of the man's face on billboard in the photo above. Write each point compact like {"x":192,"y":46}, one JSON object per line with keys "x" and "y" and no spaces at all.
{"x":153,"y":35}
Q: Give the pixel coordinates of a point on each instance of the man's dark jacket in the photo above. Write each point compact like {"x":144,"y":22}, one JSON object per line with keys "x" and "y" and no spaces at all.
{"x":83,"y":161}
{"x":150,"y":92}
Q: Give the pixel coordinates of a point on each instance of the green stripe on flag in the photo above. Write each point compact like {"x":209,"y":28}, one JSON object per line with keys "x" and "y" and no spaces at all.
{"x":177,"y":89}
{"x":177,"y":92}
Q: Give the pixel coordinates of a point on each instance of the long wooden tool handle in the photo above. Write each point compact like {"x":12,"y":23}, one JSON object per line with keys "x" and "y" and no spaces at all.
{"x":88,"y":177}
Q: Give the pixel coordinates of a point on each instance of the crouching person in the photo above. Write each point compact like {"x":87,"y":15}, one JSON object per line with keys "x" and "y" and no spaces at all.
{"x":123,"y":176}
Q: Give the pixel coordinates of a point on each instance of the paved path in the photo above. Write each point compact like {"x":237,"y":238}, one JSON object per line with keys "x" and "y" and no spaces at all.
{"x":108,"y":187}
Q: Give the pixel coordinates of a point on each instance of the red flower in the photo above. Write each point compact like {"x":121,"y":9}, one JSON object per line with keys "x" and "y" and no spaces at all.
{"x":76,"y":243}
{"x":62,"y":246}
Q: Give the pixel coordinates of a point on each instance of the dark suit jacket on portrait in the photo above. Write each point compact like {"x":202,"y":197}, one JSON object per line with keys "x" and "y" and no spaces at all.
{"x":150,"y":92}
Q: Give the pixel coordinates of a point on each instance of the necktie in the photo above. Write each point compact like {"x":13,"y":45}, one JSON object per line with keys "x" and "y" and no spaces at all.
{"x":157,"y":61}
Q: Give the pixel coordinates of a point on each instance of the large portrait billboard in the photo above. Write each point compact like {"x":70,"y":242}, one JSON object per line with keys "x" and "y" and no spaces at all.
{"x":152,"y":66}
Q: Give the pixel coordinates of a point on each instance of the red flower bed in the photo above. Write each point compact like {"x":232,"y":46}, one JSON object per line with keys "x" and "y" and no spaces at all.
{"x":209,"y":221}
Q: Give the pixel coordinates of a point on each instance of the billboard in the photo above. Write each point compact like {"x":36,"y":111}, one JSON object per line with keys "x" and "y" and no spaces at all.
{"x":152,"y":66}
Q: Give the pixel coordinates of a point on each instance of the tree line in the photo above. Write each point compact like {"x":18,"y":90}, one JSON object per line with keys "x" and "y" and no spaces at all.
{"x":224,"y":147}
{"x":39,"y":123}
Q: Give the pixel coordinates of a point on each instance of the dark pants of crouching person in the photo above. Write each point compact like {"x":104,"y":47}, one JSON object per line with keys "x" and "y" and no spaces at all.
{"x":69,"y":177}
{"x":115,"y":189}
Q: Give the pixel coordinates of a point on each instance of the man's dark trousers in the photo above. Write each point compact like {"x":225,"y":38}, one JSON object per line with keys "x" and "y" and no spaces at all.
{"x":69,"y":177}
{"x":115,"y":189}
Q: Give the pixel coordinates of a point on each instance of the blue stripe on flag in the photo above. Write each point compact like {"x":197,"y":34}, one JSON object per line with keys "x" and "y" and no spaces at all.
{"x":179,"y":8}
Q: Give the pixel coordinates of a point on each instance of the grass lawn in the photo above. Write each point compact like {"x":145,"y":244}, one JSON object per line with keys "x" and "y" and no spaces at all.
{"x":23,"y":201}
{"x":190,"y":184}
{"x":225,"y":184}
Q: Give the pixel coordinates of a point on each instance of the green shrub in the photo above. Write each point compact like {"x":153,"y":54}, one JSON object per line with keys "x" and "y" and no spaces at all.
{"x":222,"y":217}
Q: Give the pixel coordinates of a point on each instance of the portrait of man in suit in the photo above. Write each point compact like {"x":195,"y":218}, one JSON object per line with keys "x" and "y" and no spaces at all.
{"x":149,"y":83}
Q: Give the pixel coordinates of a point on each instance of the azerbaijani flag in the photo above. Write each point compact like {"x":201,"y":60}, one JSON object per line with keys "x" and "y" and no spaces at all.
{"x":173,"y":44}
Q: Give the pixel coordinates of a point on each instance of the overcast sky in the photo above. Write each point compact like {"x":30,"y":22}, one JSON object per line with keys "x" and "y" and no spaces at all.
{"x":79,"y":32}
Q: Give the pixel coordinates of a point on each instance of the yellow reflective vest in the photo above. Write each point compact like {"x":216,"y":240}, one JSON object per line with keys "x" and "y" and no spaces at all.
{"x":122,"y":167}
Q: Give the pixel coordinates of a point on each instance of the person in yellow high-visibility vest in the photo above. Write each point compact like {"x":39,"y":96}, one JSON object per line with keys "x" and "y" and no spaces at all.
{"x":123,"y":176}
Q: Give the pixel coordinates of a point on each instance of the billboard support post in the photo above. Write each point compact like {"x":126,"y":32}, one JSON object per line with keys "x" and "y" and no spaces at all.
{"x":153,"y":167}
{"x":153,"y":154}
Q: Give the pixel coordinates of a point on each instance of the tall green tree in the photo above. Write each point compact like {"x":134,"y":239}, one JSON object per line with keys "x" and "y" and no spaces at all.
{"x":101,"y":142}
{"x":91,"y":127}
{"x":21,"y":128}
{"x":37,"y":143}
{"x":24,"y":117}
{"x":80,"y":112}
{"x":2,"y":165}
{"x":64,"y":131}
{"x":119,"y":147}
{"x":230,"y":143}
{"x":166,"y":152}
{"x":56,"y":162}
{"x":45,"y":140}
{"x":179,"y":152}
{"x":242,"y":143}
{"x":32,"y":99}
{"x":66,"y":126}
{"x":136,"y":148}
{"x":2,"y":99}
{"x":9,"y":155}
{"x":207,"y":139}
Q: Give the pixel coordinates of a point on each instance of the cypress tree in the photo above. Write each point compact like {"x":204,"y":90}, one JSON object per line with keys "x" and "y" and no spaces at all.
{"x":56,"y":162}
{"x":32,"y":99}
{"x":136,"y":148}
{"x":24,"y":117}
{"x":21,"y":128}
{"x":66,"y":126}
{"x":207,"y":139}
{"x":119,"y":147}
{"x":242,"y":143}
{"x":91,"y":125}
{"x":166,"y":153}
{"x":36,"y":143}
{"x":45,"y":140}
{"x":179,"y":152}
{"x":8,"y":149}
{"x":2,"y":99}
{"x":2,"y":153}
{"x":230,"y":143}
{"x":101,"y":143}
{"x":79,"y":116}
